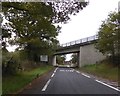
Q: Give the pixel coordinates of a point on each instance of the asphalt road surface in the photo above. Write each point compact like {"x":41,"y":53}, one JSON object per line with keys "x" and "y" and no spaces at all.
{"x":70,"y":81}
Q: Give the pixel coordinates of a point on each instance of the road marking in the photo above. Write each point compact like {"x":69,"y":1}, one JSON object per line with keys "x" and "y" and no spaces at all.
{"x":85,"y":75}
{"x":62,"y":70}
{"x":67,"y":70}
{"x":55,"y":70}
{"x":108,"y":85}
{"x":77,"y":71}
{"x":52,"y":75}
{"x":45,"y":87}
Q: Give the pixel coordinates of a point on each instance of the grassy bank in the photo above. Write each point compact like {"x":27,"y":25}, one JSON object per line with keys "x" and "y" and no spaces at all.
{"x":107,"y":71}
{"x":14,"y":83}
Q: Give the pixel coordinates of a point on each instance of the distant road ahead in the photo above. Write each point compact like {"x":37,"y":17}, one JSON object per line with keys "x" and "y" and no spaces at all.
{"x":70,"y":81}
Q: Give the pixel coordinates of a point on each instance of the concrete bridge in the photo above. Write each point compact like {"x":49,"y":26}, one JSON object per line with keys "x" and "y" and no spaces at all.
{"x":85,"y":48}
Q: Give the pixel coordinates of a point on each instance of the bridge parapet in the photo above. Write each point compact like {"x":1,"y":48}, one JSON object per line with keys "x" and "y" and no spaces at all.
{"x":80,"y":41}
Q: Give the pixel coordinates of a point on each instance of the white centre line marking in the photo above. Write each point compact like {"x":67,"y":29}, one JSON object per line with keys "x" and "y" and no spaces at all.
{"x":45,"y":87}
{"x":108,"y":85}
{"x":85,"y":75}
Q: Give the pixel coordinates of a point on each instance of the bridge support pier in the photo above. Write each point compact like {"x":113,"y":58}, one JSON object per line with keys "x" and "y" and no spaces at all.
{"x":78,"y":59}
{"x":89,"y":55}
{"x":54,"y":60}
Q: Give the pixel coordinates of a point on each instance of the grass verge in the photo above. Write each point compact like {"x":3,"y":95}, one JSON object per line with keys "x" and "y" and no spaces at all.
{"x":106,"y":71}
{"x":11,"y":84}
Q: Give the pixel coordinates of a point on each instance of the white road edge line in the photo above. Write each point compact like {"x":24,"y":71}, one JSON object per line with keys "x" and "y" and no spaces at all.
{"x":108,"y":85}
{"x":45,"y":87}
{"x":77,"y":71}
{"x":85,"y":75}
{"x":55,"y":70}
{"x":52,"y":75}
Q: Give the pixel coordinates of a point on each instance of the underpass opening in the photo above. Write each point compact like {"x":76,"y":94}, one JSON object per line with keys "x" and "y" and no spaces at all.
{"x":66,"y":60}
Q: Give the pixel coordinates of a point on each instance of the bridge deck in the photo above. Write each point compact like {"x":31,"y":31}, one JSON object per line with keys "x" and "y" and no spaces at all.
{"x":80,"y":41}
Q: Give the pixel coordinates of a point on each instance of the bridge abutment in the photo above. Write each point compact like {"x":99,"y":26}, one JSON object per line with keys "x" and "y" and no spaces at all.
{"x":89,"y":55}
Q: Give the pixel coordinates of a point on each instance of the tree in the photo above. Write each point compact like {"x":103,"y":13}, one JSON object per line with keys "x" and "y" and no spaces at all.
{"x":32,"y":24}
{"x":60,"y":59}
{"x":74,"y":58}
{"x":109,"y":36}
{"x":34,"y":33}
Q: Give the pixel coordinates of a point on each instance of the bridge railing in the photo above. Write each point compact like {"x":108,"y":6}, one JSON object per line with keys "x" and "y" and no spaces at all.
{"x":83,"y":40}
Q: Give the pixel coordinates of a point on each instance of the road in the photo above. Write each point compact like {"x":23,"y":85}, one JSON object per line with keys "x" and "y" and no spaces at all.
{"x":70,"y":81}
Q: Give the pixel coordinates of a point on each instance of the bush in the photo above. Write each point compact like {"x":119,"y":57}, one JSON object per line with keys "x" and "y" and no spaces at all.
{"x":10,"y":63}
{"x":115,"y":60}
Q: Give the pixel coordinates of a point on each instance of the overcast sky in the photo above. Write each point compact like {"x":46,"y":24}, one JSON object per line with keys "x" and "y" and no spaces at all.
{"x":87,"y":22}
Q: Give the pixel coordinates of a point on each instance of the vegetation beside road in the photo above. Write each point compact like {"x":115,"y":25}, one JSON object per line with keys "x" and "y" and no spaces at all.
{"x":109,"y":38}
{"x":104,"y":70}
{"x":14,"y":83}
